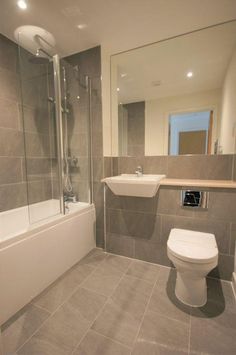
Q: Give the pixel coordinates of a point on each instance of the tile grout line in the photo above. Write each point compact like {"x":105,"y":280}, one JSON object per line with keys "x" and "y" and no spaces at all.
{"x":111,"y":339}
{"x":52,"y":314}
{"x":99,"y":313}
{"x":145,"y":312}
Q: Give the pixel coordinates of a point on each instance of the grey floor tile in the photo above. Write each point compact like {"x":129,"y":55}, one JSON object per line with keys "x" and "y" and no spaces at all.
{"x":40,"y":347}
{"x":103,"y":280}
{"x":149,"y":348}
{"x":132,"y":295}
{"x":96,"y":344}
{"x":215,"y":335}
{"x":54,"y":337}
{"x":94,"y":258}
{"x":143,"y":270}
{"x":21,"y":327}
{"x":163,"y":299}
{"x":117,"y":324}
{"x":57,"y":293}
{"x":115,"y":265}
{"x":86,"y":304}
{"x":157,"y":329}
{"x":220,"y":298}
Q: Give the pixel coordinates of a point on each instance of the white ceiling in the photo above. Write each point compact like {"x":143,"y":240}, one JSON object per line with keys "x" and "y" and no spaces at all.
{"x":206,"y":53}
{"x":116,"y":24}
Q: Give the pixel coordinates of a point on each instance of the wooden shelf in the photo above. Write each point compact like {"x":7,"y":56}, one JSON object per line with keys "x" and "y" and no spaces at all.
{"x":223,"y":184}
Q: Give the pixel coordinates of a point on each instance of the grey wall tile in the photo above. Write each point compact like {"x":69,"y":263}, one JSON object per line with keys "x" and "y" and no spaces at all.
{"x":99,"y":238}
{"x":97,"y":168}
{"x":8,"y":54}
{"x":11,"y":142}
{"x":135,"y":224}
{"x":233,"y":239}
{"x":225,"y":268}
{"x":107,"y":166}
{"x":12,"y":196}
{"x":152,"y":252}
{"x":210,"y":167}
{"x":120,"y":244}
{"x":9,"y":88}
{"x":136,"y":128}
{"x":35,"y":120}
{"x":169,"y":202}
{"x":221,"y":205}
{"x":128,"y":165}
{"x":234,"y":168}
{"x":10,"y":171}
{"x":155,"y":165}
{"x":115,"y":168}
{"x":9,"y":113}
{"x":138,"y":204}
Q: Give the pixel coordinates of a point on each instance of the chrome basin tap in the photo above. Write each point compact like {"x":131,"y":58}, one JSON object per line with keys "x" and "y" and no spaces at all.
{"x":139,"y":171}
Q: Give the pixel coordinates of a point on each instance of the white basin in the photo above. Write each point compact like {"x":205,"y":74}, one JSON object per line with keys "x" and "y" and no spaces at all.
{"x":132,"y":185}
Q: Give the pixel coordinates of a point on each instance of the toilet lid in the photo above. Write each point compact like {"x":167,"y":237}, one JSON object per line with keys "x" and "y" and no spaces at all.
{"x":192,"y":246}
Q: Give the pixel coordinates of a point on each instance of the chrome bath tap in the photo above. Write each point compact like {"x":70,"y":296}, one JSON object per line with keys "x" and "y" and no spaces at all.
{"x":139,"y":171}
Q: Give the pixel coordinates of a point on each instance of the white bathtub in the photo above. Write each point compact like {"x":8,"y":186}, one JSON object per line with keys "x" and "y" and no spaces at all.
{"x":33,"y":256}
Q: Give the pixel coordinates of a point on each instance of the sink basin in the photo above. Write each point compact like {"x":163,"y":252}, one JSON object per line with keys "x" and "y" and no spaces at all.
{"x":133,"y":185}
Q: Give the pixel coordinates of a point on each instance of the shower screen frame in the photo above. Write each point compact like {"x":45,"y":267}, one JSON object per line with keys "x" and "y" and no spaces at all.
{"x":59,"y":128}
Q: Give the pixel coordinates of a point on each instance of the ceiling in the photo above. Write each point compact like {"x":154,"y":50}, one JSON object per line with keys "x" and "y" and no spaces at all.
{"x":117,"y":25}
{"x":160,"y":70}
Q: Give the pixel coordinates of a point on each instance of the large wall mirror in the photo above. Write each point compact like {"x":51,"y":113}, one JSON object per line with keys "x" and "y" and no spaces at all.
{"x":176,"y":96}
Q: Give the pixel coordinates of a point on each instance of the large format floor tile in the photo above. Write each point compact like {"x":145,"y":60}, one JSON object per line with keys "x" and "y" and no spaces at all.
{"x":164,"y":301}
{"x":143,"y":270}
{"x":214,"y":336}
{"x":112,"y":305}
{"x":142,"y":347}
{"x":94,"y":258}
{"x":96,"y":344}
{"x":107,"y":276}
{"x":213,"y":326}
{"x":115,"y":323}
{"x":21,"y":327}
{"x":56,"y":294}
{"x":158,"y":329}
{"x":132,"y":295}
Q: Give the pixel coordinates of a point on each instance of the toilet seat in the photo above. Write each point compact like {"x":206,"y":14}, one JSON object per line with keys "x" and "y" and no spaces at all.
{"x":192,"y":246}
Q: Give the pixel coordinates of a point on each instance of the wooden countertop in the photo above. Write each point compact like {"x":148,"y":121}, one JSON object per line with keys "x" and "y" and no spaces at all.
{"x":223,"y":184}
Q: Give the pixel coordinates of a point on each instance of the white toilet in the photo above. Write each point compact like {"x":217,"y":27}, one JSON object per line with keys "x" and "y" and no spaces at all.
{"x":194,"y":254}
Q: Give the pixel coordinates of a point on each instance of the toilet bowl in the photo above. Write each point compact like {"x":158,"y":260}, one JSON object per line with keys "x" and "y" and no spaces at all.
{"x":194,"y":254}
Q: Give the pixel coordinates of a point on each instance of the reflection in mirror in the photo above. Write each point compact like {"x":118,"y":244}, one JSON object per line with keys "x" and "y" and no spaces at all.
{"x":176,"y":96}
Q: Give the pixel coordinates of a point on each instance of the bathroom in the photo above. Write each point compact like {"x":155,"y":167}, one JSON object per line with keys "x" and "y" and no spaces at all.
{"x":117,"y":177}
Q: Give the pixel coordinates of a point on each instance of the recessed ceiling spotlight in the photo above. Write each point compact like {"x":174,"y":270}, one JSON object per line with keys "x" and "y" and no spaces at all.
{"x":82,"y":26}
{"x":118,"y":89}
{"x":22,"y":4}
{"x":156,"y":83}
{"x":190,"y":74}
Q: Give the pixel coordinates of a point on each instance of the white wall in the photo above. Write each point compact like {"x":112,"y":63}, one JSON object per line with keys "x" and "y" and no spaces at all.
{"x":158,"y":111}
{"x":228,"y":122}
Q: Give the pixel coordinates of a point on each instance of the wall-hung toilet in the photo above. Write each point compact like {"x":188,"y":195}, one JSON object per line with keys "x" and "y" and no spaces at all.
{"x":194,"y":254}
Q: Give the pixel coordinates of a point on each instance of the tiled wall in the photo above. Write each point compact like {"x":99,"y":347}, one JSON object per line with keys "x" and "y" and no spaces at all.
{"x":139,"y":227}
{"x":89,"y":63}
{"x":14,"y":191}
{"x":39,"y":128}
{"x":12,"y":188}
{"x":136,"y":128}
